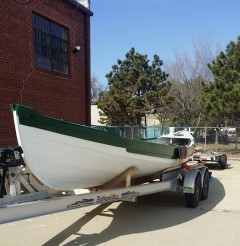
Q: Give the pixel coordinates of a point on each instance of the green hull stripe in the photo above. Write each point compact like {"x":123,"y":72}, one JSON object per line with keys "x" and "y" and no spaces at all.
{"x":30,"y":117}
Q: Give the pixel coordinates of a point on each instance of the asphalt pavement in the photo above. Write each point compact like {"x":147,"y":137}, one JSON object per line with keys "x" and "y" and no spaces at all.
{"x":160,"y":219}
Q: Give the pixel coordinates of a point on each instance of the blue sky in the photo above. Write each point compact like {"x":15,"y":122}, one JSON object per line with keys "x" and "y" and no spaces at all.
{"x":159,"y":27}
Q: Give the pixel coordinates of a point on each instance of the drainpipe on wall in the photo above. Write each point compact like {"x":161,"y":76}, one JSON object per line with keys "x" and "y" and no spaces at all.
{"x":87,"y":69}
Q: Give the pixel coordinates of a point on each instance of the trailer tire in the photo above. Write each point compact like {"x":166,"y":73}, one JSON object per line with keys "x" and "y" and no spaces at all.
{"x":192,"y":199}
{"x":205,"y":186}
{"x":223,"y":161}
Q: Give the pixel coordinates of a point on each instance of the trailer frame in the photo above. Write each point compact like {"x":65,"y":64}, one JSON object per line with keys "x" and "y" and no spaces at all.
{"x":191,"y":178}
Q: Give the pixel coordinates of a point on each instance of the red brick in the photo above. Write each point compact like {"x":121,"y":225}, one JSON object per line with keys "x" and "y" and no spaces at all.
{"x":56,"y":95}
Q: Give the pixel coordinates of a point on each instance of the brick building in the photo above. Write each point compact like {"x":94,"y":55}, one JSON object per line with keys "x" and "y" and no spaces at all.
{"x":41,"y":65}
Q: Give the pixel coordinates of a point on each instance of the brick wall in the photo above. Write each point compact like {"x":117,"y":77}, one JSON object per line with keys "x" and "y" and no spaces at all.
{"x":53,"y":94}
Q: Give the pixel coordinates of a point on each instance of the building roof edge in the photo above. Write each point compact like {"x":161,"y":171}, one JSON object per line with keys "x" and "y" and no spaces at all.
{"x":80,"y":6}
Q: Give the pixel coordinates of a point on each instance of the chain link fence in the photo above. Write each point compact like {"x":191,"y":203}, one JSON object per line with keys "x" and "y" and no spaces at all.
{"x":218,"y":139}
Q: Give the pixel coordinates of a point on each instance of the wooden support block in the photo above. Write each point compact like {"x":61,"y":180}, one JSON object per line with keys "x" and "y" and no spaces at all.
{"x":39,"y":186}
{"x":125,"y":176}
{"x":128,"y":180}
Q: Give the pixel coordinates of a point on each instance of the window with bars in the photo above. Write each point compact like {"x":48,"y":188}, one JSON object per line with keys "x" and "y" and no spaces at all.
{"x":50,"y":45}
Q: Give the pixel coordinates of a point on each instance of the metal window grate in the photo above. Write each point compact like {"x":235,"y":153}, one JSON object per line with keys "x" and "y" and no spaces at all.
{"x":50,"y":45}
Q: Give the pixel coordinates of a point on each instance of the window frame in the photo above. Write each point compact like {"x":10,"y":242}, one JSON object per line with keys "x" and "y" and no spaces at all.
{"x":50,"y":45}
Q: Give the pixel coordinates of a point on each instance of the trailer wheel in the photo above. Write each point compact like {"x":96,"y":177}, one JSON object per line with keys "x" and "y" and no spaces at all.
{"x":192,"y":199}
{"x":223,"y":161}
{"x":205,"y":186}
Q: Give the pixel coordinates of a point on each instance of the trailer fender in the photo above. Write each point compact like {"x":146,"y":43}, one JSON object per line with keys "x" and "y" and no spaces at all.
{"x":189,"y":180}
{"x":202,"y":172}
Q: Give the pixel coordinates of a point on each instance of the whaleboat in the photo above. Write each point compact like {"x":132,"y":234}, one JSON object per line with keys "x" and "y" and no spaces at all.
{"x":66,"y":156}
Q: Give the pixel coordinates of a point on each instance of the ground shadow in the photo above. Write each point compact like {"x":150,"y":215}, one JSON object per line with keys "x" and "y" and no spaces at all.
{"x":152,"y":212}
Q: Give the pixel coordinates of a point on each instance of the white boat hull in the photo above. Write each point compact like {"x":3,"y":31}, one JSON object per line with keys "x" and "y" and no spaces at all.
{"x":63,"y":162}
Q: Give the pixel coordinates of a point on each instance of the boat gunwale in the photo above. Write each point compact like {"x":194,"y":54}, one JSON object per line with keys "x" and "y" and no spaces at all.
{"x":32,"y":118}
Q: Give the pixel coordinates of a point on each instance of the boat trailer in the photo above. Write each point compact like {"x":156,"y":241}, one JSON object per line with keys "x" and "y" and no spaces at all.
{"x":22,"y":196}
